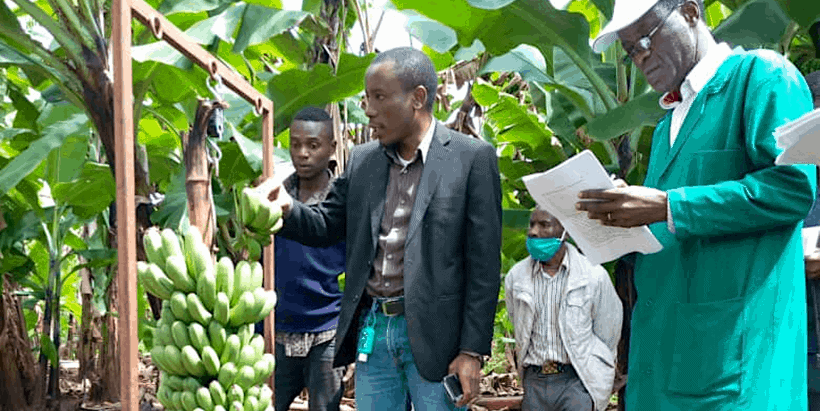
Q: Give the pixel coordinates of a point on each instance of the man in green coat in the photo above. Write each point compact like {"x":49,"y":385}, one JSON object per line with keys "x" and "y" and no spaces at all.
{"x":720,"y":322}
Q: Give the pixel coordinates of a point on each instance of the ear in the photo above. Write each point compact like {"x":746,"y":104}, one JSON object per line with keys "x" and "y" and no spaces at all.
{"x":691,"y":12}
{"x":419,"y":97}
{"x":333,"y":144}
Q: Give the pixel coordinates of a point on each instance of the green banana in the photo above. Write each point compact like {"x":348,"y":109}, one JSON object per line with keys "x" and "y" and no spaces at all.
{"x":197,"y":310}
{"x":177,"y":271}
{"x":192,"y":361}
{"x":218,"y":393}
{"x":252,"y":205}
{"x":224,"y":276}
{"x":179,"y":306}
{"x":261,"y":217}
{"x":242,"y":312}
{"x":258,"y":344}
{"x":210,"y":360}
{"x":257,"y":276}
{"x":241,"y":278}
{"x":203,"y":398}
{"x":173,"y":359}
{"x":245,"y":333}
{"x":235,"y":394}
{"x":206,"y":287}
{"x":245,"y":377}
{"x":189,"y":401}
{"x":247,"y":356}
{"x":152,"y":241}
{"x":231,"y":351}
{"x":227,"y":373}
{"x":251,"y":403}
{"x":222,"y":308}
{"x":179,"y":332}
{"x":265,"y":301}
{"x":198,"y":336}
{"x":274,"y":218}
{"x":170,"y":243}
{"x":217,"y":335}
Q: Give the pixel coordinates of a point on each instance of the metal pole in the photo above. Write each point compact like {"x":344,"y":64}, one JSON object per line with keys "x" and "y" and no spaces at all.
{"x":269,"y":259}
{"x":126,"y":216}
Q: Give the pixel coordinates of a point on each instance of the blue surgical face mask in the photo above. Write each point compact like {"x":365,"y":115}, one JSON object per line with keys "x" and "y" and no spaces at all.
{"x":543,"y":249}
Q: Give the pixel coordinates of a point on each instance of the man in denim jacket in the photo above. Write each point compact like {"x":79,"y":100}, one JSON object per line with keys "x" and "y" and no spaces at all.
{"x":567,"y":318}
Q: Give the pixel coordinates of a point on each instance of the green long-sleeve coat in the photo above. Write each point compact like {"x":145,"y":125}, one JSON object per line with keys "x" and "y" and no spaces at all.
{"x":720,"y":322}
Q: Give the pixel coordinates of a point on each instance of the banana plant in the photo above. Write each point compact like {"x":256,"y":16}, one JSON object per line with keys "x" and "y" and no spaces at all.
{"x":588,"y":100}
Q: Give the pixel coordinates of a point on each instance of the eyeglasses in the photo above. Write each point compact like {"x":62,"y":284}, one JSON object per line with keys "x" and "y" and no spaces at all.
{"x":645,"y":42}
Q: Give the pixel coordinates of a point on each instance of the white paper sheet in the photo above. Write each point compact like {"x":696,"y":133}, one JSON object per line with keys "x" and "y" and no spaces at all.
{"x":800,"y":140}
{"x":556,"y":190}
{"x":810,"y":235}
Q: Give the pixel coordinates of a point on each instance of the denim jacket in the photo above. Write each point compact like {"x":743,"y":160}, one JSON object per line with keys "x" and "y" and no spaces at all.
{"x":589,"y":320}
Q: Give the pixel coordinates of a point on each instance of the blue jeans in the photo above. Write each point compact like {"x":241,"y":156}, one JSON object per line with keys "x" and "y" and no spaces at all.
{"x":390,"y":375}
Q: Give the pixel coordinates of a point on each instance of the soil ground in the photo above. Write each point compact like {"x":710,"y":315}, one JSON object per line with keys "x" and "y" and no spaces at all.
{"x":73,"y":391}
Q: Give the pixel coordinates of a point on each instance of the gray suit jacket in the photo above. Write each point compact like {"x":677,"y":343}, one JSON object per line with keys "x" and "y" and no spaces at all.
{"x":452,"y":255}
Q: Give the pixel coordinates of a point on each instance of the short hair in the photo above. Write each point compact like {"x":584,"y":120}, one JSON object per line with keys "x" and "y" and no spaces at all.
{"x":813,"y":80}
{"x":315,"y":114}
{"x":668,"y":5}
{"x":311,"y":113}
{"x":413,"y":68}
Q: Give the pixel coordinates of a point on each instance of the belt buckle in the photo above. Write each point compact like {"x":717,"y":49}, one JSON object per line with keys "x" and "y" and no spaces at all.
{"x":387,"y":303}
{"x":552,"y":367}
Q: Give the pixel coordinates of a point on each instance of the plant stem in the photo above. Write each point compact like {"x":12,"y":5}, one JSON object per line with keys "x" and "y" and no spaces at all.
{"x":620,"y":69}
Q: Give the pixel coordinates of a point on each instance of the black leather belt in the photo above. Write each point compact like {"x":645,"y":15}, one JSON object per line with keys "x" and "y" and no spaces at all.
{"x":390,"y":306}
{"x":551,"y":367}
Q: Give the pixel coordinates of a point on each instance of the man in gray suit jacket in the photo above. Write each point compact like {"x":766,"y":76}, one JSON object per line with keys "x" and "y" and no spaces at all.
{"x":420,"y":210}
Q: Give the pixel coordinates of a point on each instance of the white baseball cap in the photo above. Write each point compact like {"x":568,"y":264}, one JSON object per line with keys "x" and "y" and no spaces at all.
{"x":626,"y":12}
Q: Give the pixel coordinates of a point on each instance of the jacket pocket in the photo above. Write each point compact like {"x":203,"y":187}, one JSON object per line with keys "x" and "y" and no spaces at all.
{"x":707,"y":353}
{"x":578,"y":321}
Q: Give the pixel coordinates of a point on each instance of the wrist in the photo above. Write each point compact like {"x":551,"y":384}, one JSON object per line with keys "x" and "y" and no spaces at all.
{"x":286,"y":209}
{"x":478,"y":357}
{"x":664,"y":209}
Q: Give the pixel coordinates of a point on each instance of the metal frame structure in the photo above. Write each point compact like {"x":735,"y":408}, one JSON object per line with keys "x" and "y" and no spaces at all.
{"x":124,"y":145}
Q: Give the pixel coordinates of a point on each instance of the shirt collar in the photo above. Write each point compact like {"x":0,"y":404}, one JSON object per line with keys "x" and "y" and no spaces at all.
{"x":291,"y":185}
{"x":697,"y":78}
{"x":423,"y":148}
{"x":564,"y":267}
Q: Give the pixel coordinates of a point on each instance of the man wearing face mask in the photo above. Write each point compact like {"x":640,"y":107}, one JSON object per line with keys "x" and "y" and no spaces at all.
{"x":567,"y":318}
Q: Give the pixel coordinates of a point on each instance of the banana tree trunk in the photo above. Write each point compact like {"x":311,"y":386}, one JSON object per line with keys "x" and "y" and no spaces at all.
{"x":197,"y":172}
{"x":20,"y":381}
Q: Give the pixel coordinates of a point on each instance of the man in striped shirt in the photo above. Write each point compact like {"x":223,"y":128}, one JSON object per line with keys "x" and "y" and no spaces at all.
{"x":567,"y":318}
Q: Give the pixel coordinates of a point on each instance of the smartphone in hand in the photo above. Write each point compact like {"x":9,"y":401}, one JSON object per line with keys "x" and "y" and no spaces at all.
{"x":452,"y":386}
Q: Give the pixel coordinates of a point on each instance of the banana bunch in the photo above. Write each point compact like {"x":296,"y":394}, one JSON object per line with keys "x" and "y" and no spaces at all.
{"x":204,"y":343}
{"x":257,"y":213}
